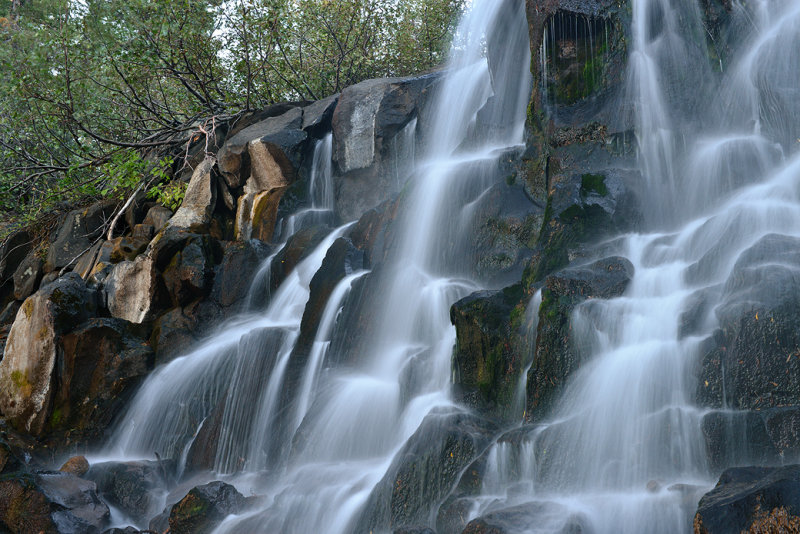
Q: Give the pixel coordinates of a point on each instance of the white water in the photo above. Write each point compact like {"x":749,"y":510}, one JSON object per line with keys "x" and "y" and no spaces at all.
{"x":623,"y":450}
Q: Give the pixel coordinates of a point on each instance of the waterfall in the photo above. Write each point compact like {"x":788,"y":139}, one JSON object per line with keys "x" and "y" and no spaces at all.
{"x":348,"y":421}
{"x":623,"y":450}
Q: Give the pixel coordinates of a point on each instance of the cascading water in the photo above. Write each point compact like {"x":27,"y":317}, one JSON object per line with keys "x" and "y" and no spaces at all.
{"x":623,"y":450}
{"x":348,"y":422}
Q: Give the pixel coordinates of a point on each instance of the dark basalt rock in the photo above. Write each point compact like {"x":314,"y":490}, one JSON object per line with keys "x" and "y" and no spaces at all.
{"x":76,"y":234}
{"x":753,"y":359}
{"x":27,"y":276}
{"x":366,"y":121}
{"x":50,"y":503}
{"x":317,"y":116}
{"x":204,"y":507}
{"x":752,"y":499}
{"x":580,"y":208}
{"x":188,"y":276}
{"x":506,"y":229}
{"x":133,"y":487}
{"x":557,"y":355}
{"x":299,"y":246}
{"x":551,"y":516}
{"x":102,"y":361}
{"x":488,"y":358}
{"x":425,"y":470}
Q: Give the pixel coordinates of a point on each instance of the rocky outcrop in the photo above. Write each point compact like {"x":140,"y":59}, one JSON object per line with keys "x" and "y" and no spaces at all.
{"x":752,"y":499}
{"x":199,"y":200}
{"x":204,"y":507}
{"x":488,"y":358}
{"x":29,"y":365}
{"x":135,"y":290}
{"x":367,"y":118}
{"x":50,"y":503}
{"x":101,"y":363}
{"x":581,"y":208}
{"x":133,"y":487}
{"x":426,"y":470}
{"x":76,"y":234}
{"x":557,"y":355}
{"x":555,"y":517}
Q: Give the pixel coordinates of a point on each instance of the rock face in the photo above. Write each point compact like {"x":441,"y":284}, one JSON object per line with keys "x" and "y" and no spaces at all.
{"x":279,"y":139}
{"x":28,"y":368}
{"x":50,"y":503}
{"x":76,"y":233}
{"x":102,"y":362}
{"x":199,"y":200}
{"x":557,"y":355}
{"x":133,"y":487}
{"x":136,"y":290}
{"x":752,"y":499}
{"x":367,"y":118}
{"x":515,"y":519}
{"x":425,"y":470}
{"x":488,"y":359}
{"x":204,"y":507}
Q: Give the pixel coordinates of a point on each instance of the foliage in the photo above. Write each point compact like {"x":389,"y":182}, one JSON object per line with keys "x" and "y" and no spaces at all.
{"x":170,"y":195}
{"x":87,"y":84}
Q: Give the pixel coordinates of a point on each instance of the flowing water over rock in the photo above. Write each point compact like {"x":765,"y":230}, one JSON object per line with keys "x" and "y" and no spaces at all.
{"x":623,"y":451}
{"x":315,"y":460}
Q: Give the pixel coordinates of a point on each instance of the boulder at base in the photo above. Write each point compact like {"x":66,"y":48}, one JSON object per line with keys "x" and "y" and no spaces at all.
{"x":28,"y":368}
{"x":752,"y":499}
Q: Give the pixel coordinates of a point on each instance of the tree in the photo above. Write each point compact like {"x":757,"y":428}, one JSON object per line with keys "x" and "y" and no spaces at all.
{"x":90,"y":82}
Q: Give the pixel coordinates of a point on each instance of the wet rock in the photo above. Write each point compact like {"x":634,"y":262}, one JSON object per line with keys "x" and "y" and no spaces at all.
{"x":126,"y":530}
{"x":28,"y":367}
{"x":752,"y":499}
{"x":557,"y":355}
{"x":367,"y":117}
{"x":135,"y":290}
{"x":342,"y":259}
{"x":737,"y":438}
{"x":282,"y":132}
{"x":235,"y":273}
{"x":77,"y":465}
{"x":28,"y":276}
{"x":203,"y":452}
{"x":299,"y":246}
{"x":580,"y":208}
{"x":173,"y":333}
{"x":426,"y":469}
{"x":487,"y":361}
{"x":77,"y":233}
{"x":753,"y":359}
{"x":50,"y":503}
{"x":200,"y":199}
{"x":133,"y":487}
{"x":550,"y":516}
{"x":102,"y":361}
{"x":375,"y":232}
{"x":204,"y":507}
{"x":507,"y":226}
{"x":414,"y":530}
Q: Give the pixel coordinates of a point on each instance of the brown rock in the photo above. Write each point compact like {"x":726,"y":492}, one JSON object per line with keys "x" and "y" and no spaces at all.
{"x":77,"y":465}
